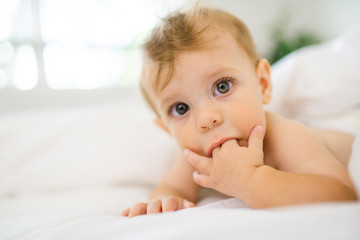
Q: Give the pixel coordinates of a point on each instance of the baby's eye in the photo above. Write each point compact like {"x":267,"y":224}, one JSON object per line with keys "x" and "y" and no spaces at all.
{"x":222,"y":87}
{"x":179,"y":109}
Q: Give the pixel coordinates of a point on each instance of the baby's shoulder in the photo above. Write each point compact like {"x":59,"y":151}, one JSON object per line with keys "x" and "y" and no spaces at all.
{"x":283,"y":137}
{"x":278,"y":126}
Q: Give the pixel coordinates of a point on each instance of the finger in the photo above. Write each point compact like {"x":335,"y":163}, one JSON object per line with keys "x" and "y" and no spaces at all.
{"x":229,"y":143}
{"x":243,"y":143}
{"x":138,"y":209}
{"x":256,"y":138}
{"x":199,"y":162}
{"x":154,"y":206}
{"x":215,"y":151}
{"x":202,"y":179}
{"x":125,"y":213}
{"x":169,"y":204}
{"x":188,"y":204}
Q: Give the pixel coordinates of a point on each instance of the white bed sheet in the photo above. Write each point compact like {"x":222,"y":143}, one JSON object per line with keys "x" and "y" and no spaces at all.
{"x":325,"y":221}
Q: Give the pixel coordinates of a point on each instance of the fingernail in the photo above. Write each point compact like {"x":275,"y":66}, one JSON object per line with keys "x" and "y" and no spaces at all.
{"x":186,"y":151}
{"x":260,"y":128}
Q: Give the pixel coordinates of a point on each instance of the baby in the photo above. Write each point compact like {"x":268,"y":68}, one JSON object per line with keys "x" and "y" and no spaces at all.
{"x":205,"y":81}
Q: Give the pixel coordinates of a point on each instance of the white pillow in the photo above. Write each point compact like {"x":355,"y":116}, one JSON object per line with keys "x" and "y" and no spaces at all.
{"x":319,"y":82}
{"x":354,"y":165}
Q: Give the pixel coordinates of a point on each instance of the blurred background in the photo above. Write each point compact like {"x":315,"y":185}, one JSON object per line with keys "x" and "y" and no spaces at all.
{"x":95,"y":44}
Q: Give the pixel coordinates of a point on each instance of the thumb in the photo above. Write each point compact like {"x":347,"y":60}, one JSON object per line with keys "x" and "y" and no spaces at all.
{"x":256,"y":137}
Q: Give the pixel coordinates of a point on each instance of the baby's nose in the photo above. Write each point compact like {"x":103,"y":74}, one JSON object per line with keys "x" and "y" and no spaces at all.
{"x":209,"y":119}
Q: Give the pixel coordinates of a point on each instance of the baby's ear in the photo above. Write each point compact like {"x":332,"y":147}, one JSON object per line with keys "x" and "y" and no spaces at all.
{"x":263,"y":72}
{"x":161,"y":124}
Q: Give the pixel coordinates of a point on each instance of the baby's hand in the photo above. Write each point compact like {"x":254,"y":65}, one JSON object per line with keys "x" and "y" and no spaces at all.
{"x":231,"y":166}
{"x":158,"y":205}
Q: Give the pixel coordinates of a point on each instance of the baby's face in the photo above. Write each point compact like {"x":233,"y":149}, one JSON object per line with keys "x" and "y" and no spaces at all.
{"x":214,"y":95}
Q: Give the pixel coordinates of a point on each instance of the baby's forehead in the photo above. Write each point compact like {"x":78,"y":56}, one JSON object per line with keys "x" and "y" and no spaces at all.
{"x":160,"y":75}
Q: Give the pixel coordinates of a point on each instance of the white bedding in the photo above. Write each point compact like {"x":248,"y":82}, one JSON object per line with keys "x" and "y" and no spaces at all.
{"x":66,"y":172}
{"x":325,"y":221}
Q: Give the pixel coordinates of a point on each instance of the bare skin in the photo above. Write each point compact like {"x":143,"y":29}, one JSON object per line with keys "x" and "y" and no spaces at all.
{"x":338,"y":143}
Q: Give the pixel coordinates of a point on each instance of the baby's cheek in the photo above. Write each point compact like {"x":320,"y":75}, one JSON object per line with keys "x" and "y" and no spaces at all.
{"x":189,"y":143}
{"x":182,"y":141}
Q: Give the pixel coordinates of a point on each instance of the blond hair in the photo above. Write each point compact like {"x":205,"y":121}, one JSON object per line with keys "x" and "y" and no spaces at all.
{"x":178,"y":33}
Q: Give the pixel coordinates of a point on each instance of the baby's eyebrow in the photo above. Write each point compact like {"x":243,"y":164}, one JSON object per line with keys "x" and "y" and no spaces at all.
{"x":219,"y":71}
{"x":165,"y":102}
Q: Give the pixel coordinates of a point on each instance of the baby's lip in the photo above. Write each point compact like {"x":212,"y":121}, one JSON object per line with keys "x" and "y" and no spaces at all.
{"x":218,"y":143}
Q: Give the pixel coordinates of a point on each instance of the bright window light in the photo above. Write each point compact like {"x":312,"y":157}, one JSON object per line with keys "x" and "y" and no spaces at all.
{"x":94,"y":44}
{"x":82,"y":44}
{"x":7,"y":52}
{"x":92,"y":22}
{"x":25,"y":68}
{"x":7,"y":17}
{"x":79,"y":67}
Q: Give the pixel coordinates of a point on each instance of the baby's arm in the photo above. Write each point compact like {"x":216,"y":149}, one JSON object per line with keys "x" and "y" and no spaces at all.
{"x":177,"y":190}
{"x":305,"y":171}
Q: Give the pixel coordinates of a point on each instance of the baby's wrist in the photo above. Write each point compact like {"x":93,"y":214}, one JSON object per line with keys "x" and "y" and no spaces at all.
{"x":256,"y":179}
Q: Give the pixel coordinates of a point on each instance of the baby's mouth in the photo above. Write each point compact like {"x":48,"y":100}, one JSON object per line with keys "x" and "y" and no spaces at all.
{"x":240,"y":142}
